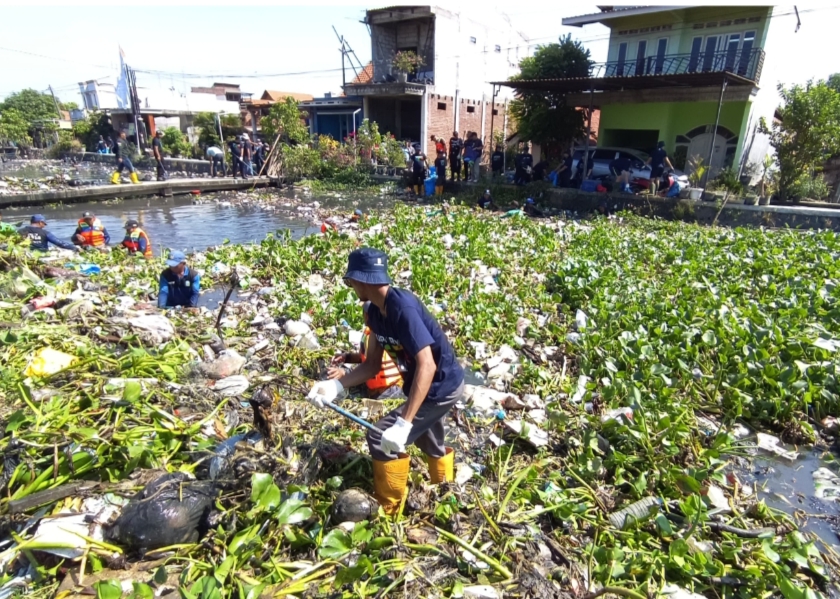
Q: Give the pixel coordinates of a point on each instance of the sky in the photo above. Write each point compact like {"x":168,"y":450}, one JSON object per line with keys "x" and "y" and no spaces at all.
{"x":285,"y":47}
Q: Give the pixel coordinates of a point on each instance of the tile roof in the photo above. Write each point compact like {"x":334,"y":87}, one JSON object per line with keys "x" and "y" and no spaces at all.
{"x":278,"y":96}
{"x":366,"y":76}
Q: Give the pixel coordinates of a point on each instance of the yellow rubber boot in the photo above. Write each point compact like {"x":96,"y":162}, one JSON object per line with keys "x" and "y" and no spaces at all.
{"x":115,"y":178}
{"x":390,"y":480}
{"x":442,"y":469}
{"x":134,"y":178}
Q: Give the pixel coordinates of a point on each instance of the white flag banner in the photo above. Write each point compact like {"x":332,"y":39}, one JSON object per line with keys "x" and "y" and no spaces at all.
{"x":123,"y":95}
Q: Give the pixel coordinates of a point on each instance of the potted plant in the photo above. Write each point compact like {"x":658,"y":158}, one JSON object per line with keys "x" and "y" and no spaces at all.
{"x":765,"y":185}
{"x":698,"y":172}
{"x":406,"y":62}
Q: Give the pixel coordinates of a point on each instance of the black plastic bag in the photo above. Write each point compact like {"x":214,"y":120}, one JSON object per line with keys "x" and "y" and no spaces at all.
{"x":171,"y":510}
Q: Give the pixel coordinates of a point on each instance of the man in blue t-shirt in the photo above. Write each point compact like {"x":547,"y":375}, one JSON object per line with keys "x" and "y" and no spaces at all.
{"x":433,"y":380}
{"x":657,"y":161}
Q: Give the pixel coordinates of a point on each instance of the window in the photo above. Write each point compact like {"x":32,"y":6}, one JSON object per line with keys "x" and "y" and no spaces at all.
{"x":498,"y":49}
{"x":709,"y":54}
{"x":495,"y":112}
{"x":441,"y":105}
{"x":470,"y":108}
{"x":473,"y":40}
{"x":608,"y":155}
{"x":696,"y":44}
{"x":641,"y":51}
{"x":732,"y":51}
{"x":746,"y":53}
{"x":661,"y":47}
{"x":622,"y":56}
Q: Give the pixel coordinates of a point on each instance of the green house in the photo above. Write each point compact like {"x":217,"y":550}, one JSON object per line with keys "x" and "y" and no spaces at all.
{"x":672,"y":72}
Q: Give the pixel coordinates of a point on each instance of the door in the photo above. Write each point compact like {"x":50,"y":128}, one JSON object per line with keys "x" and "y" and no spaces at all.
{"x":746,"y":66}
{"x":622,"y":57}
{"x":661,"y":48}
{"x":709,"y":53}
{"x":701,"y":145}
{"x":694,"y":60}
{"x":640,"y":58}
{"x":732,"y":51}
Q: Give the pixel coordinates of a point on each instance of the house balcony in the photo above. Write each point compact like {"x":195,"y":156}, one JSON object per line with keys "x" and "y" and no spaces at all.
{"x":380,"y":79}
{"x":745,"y":64}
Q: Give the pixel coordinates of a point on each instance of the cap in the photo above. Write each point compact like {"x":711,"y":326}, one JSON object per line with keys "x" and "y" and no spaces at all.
{"x":661,"y":144}
{"x":87,"y":215}
{"x":130,"y":224}
{"x":368,"y":265}
{"x":358,"y":212}
{"x":487,"y":191}
{"x":245,"y":136}
{"x":529,"y":201}
{"x":175,"y":258}
{"x":38,"y":218}
{"x":158,"y":132}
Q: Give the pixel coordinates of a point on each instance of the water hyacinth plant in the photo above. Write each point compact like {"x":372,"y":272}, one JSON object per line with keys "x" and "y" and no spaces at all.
{"x":633,"y":335}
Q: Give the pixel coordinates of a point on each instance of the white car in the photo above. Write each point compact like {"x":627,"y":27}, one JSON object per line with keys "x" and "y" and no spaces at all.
{"x":600,"y":159}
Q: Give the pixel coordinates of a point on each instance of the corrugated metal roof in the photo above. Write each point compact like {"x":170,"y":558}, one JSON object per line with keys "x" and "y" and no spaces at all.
{"x":612,"y":12}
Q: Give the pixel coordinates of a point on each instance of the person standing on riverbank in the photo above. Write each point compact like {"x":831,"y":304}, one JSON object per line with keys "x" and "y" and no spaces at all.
{"x":236,"y":163}
{"x":136,"y":241}
{"x":120,"y":150}
{"x":178,"y":285}
{"x":157,"y":150}
{"x":455,"y":147}
{"x":433,"y":380}
{"x":247,"y":151}
{"x":440,"y":171}
{"x":39,"y":238}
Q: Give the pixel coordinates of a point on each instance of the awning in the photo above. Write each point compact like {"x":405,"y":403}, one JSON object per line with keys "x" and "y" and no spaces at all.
{"x":599,"y":84}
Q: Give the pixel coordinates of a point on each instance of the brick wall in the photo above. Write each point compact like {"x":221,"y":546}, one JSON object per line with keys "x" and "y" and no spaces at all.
{"x":441,"y":119}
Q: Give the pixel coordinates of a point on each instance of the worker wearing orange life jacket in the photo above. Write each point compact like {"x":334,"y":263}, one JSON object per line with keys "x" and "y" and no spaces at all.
{"x":136,"y":241}
{"x":91,"y":233}
{"x":389,"y":376}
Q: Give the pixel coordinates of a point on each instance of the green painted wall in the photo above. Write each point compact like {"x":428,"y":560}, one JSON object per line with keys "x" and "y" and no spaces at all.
{"x":672,"y":119}
{"x":682,"y":33}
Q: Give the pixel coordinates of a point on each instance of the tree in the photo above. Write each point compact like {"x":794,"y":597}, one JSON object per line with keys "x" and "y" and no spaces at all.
{"x":834,"y":82}
{"x":32,"y":105}
{"x":13,"y":127}
{"x":807,"y":134}
{"x":208,"y":134}
{"x":286,"y":118}
{"x":88,"y":131}
{"x":174,"y":142}
{"x":543,"y":116}
{"x":69,"y":105}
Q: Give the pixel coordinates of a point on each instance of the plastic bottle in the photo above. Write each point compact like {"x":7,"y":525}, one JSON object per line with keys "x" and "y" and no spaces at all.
{"x":640,"y":510}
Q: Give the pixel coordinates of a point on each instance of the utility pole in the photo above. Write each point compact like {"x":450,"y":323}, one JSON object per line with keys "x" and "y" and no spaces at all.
{"x":57,"y":111}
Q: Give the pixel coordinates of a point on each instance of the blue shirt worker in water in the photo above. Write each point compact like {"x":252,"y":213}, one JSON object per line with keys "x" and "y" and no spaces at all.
{"x":39,"y":238}
{"x":433,"y":380}
{"x":179,"y":285}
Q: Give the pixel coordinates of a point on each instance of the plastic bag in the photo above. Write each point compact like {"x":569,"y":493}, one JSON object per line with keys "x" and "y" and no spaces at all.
{"x":47,"y":361}
{"x":168,"y":511}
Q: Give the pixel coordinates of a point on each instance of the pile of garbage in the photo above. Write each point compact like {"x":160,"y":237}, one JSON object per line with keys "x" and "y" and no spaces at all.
{"x":152,"y":452}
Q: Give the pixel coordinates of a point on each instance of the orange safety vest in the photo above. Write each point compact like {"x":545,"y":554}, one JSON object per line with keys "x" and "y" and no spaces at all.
{"x":92,"y":234}
{"x":389,"y":375}
{"x":132,"y":242}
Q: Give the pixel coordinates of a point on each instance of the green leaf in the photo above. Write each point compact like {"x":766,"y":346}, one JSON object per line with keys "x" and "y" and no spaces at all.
{"x":709,"y":338}
{"x":160,"y":575}
{"x":132,"y":391}
{"x":108,"y":589}
{"x":664,"y":525}
{"x":264,"y":493}
{"x":16,"y":420}
{"x":335,"y":545}
{"x":293,"y":511}
{"x":141,"y":591}
{"x":223,"y":569}
{"x":789,"y":590}
{"x":769,"y":552}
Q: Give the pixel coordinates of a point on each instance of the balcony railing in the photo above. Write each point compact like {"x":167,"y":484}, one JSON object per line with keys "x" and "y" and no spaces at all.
{"x":747,"y":64}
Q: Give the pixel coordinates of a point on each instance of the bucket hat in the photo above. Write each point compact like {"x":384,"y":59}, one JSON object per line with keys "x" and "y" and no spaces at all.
{"x":368,"y":265}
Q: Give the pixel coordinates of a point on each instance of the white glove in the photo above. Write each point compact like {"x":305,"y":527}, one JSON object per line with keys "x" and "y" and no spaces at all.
{"x":325,"y":391}
{"x":395,"y":437}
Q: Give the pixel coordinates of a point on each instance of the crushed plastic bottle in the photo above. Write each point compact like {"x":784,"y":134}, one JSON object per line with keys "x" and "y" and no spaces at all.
{"x":635,"y":512}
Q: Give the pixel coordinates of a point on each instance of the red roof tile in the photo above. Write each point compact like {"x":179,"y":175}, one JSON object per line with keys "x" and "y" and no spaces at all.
{"x":366,"y":76}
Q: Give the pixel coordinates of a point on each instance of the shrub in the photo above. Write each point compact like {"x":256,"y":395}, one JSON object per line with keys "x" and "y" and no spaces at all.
{"x":175,"y":143}
{"x":66,"y":144}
